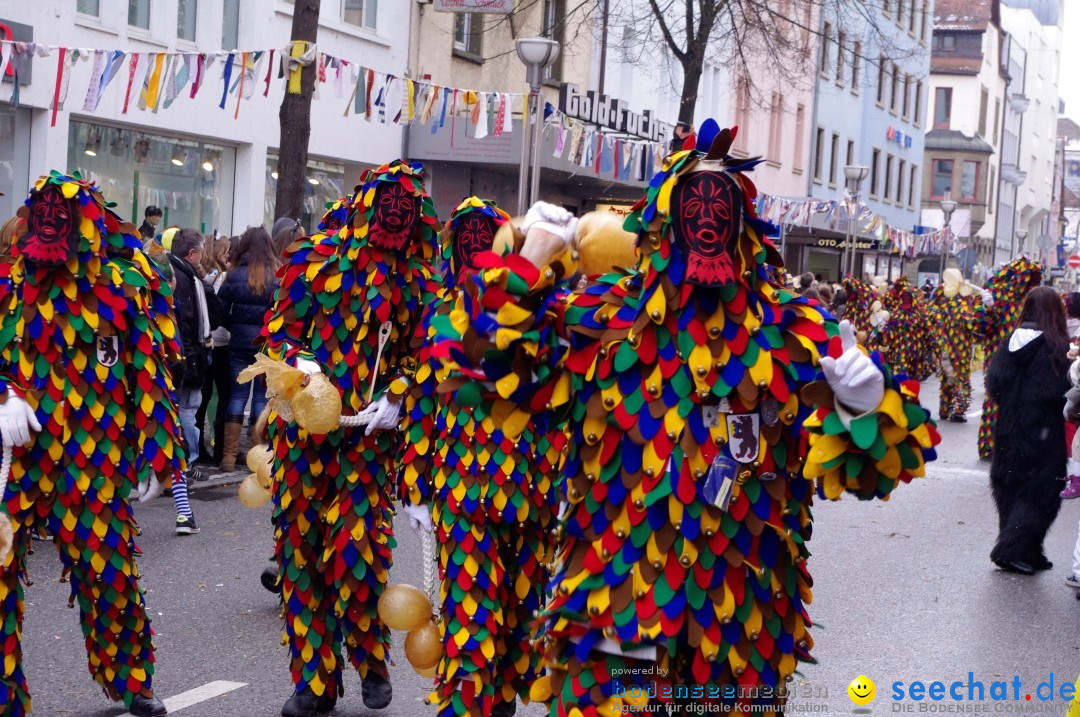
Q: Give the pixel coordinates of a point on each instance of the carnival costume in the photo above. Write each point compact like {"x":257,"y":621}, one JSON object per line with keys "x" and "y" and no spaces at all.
{"x":351,"y":302}
{"x":86,"y":334}
{"x":955,"y":314}
{"x":860,"y":299}
{"x":488,"y":472}
{"x":907,"y":341}
{"x":694,"y":396}
{"x":1009,"y":286}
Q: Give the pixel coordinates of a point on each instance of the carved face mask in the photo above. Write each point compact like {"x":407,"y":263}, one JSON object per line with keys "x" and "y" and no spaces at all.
{"x":475,"y":234}
{"x":395,"y":215}
{"x":51,"y":236}
{"x":708,"y":218}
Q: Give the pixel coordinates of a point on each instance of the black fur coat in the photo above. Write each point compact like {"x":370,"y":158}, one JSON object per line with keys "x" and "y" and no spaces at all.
{"x":1029,"y":450}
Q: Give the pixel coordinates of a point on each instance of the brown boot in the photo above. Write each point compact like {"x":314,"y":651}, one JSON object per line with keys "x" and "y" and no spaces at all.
{"x":234,"y":426}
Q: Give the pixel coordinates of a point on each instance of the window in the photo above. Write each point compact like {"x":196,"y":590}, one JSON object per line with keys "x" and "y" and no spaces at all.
{"x":990,"y":192}
{"x":819,"y":150}
{"x":941,"y":181}
{"x":969,"y":179}
{"x":911,"y":17}
{"x":856,"y":66}
{"x":840,"y":58}
{"x":900,"y":13}
{"x":895,"y":96}
{"x":886,"y":6}
{"x":186,"y":17}
{"x":467,"y":29}
{"x":984,"y":100}
{"x":912,"y":183}
{"x":901,"y":170}
{"x":907,"y":96}
{"x":139,"y":13}
{"x":850,"y":156}
{"x":942,"y":107}
{"x":826,"y":35}
{"x":230,"y":25}
{"x":776,"y":110}
{"x":554,"y":15}
{"x":88,"y":7}
{"x":881,"y":80}
{"x":742,"y":113}
{"x":917,"y":117}
{"x":944,"y":42}
{"x":834,"y":158}
{"x":922,"y":20}
{"x":800,"y":126}
{"x":361,"y":13}
{"x":887,"y":195}
{"x":875,"y":164}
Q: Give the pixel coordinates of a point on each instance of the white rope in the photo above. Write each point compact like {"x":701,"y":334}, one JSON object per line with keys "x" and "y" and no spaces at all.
{"x":430,"y":573}
{"x":5,"y":470}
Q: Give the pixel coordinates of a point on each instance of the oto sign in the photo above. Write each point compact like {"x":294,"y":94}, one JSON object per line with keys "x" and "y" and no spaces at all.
{"x":1074,"y":261}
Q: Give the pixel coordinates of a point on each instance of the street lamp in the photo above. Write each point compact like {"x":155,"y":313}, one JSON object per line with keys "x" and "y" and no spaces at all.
{"x":536,"y":53}
{"x":855,"y":175}
{"x":1021,"y":234}
{"x":948,"y":206}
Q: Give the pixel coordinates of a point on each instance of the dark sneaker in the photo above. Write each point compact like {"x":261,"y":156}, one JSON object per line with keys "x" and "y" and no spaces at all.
{"x":142,"y":706}
{"x":376,"y":691}
{"x":185,"y":525}
{"x":269,"y":579}
{"x":307,"y":704}
{"x":195,"y":473}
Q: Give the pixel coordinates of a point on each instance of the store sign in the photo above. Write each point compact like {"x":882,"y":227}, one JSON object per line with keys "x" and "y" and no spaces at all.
{"x":611,"y":113}
{"x":499,"y":6}
{"x":861,"y":245}
{"x":899,"y":137}
{"x":16,"y":32}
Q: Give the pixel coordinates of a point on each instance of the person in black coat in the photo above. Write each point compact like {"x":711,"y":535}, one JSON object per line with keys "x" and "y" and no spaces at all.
{"x":1028,"y":379}
{"x":246,"y":295}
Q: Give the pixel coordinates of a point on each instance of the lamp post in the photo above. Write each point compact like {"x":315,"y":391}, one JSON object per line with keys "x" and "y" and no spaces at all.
{"x":948,"y":206}
{"x":855,"y":175}
{"x":536,"y":53}
{"x":1021,"y":235}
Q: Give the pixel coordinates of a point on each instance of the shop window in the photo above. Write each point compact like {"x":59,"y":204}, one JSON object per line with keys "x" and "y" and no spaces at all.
{"x":362,"y":13}
{"x":14,"y":158}
{"x":191,"y":181}
{"x":468,"y":29}
{"x":186,"y":17}
{"x":230,"y":25}
{"x":139,"y":14}
{"x":326,"y":182}
{"x":88,"y":7}
{"x":941,"y":180}
{"x":969,"y":180}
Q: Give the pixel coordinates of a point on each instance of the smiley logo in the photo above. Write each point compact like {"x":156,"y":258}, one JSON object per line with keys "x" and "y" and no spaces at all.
{"x":862,"y":690}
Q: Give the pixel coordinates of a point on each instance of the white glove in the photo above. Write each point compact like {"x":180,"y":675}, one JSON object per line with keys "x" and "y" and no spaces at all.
{"x":987,"y":298}
{"x":856,"y":382}
{"x":380,"y":415}
{"x":307,"y":366}
{"x":149,"y":488}
{"x":419,"y":517}
{"x":16,"y":420}
{"x":550,"y":218}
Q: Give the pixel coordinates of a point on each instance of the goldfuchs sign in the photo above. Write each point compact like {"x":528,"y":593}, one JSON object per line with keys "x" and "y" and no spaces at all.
{"x":611,"y":113}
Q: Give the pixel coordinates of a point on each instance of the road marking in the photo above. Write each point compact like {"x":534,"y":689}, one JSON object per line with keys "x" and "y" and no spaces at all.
{"x":200,"y":694}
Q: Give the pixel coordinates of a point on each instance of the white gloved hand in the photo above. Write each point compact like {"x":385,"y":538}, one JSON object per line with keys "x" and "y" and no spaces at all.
{"x":550,"y":218}
{"x":16,"y":420}
{"x":149,"y":488}
{"x":419,"y":517}
{"x":307,"y":366}
{"x":380,"y":415}
{"x":856,"y":382}
{"x":987,"y":298}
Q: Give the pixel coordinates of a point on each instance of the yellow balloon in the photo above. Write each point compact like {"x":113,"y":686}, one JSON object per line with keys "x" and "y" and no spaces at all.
{"x":252,"y":494}
{"x":428,"y":673}
{"x":404,"y":607}
{"x":317,"y":408}
{"x":423,"y":647}
{"x":259,"y":455}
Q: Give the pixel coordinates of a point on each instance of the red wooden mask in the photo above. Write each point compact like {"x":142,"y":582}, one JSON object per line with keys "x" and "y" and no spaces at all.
{"x":474,"y":234}
{"x":396,"y":212}
{"x":707,"y":222}
{"x":52,"y":231}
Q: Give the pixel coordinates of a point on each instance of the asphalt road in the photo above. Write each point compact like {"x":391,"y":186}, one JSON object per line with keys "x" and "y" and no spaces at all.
{"x":903,"y":591}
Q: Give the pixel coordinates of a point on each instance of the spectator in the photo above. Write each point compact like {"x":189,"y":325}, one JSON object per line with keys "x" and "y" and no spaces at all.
{"x":839,"y":304}
{"x":679,"y":135}
{"x":1072,"y":315}
{"x":1028,"y":379}
{"x":197,"y":313}
{"x":214,"y":263}
{"x":246,"y":295}
{"x":812,"y":295}
{"x":151,"y":218}
{"x":826,"y":293}
{"x":284,"y":233}
{"x":806,"y":281}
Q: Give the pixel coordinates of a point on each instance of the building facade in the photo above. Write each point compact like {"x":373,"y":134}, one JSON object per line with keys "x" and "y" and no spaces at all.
{"x":207,"y":167}
{"x":964,"y":137}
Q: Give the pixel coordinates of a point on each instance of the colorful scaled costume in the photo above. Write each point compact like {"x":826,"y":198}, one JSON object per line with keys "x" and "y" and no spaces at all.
{"x":488,"y":470}
{"x":1009,"y":286}
{"x":332,"y":492}
{"x":85,"y":336}
{"x":955,"y":313}
{"x":907,"y":341}
{"x":860,"y":297}
{"x":693,"y":406}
